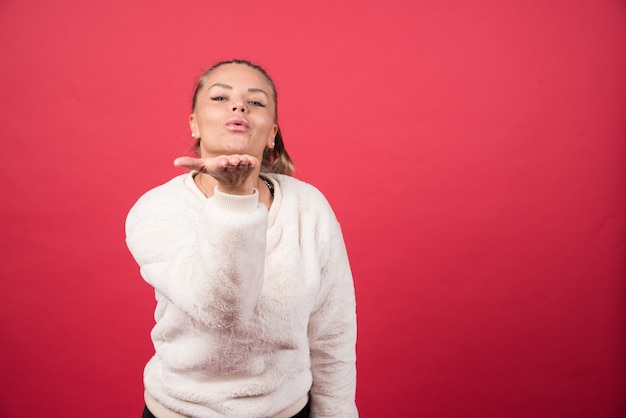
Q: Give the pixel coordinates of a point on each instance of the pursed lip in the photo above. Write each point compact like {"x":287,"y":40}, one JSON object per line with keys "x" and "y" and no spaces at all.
{"x":237,"y":124}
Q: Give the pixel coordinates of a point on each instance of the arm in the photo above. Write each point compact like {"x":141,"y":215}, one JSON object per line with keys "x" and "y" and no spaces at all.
{"x":332,"y":337}
{"x":207,"y":260}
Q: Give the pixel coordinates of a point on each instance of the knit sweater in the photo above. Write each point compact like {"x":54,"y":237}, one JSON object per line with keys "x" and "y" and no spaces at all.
{"x":254,"y":308}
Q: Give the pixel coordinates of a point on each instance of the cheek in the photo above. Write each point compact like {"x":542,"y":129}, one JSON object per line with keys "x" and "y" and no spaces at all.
{"x":207,"y":121}
{"x":207,"y":117}
{"x":268,"y":131}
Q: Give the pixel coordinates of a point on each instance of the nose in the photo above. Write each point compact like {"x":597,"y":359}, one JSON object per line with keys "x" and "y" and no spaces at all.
{"x":240,"y":106}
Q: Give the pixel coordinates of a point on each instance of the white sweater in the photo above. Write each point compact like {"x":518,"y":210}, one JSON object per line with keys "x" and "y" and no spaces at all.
{"x":254,"y":308}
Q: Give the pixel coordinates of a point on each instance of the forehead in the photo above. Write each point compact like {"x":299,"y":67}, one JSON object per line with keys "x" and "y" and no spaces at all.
{"x":238,"y":75}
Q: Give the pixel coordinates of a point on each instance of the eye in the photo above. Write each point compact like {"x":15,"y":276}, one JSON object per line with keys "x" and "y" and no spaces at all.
{"x":218,"y":98}
{"x":255,"y":103}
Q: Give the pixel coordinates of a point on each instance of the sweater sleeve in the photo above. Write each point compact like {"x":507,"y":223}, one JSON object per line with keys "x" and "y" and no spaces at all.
{"x":206,"y":257}
{"x":332,"y":337}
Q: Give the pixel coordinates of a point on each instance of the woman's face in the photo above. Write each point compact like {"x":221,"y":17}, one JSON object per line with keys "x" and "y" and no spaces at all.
{"x":235,"y":113}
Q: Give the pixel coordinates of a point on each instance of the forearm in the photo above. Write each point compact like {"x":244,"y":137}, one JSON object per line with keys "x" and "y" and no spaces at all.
{"x":332,"y":339}
{"x":212,"y":269}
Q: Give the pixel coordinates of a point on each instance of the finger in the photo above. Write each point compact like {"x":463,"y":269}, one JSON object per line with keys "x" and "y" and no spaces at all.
{"x":222,"y":162}
{"x":236,"y":162}
{"x":246,"y":161}
{"x":189,"y":163}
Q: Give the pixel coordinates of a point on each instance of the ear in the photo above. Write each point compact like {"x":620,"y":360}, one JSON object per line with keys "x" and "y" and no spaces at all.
{"x":272,"y":137}
{"x":193,"y":125}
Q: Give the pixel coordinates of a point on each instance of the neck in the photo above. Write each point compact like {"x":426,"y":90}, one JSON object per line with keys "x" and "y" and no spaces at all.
{"x":206,"y":183}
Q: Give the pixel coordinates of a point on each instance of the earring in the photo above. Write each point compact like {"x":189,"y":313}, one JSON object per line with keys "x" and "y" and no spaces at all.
{"x":193,"y":135}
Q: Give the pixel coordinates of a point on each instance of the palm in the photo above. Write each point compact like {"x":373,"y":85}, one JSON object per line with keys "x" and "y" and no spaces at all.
{"x":232,"y":172}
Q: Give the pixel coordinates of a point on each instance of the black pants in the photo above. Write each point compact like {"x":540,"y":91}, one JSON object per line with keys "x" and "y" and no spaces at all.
{"x":304,"y":413}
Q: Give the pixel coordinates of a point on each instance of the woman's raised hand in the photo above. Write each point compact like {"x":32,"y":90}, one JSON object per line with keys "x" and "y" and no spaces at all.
{"x":234,"y":173}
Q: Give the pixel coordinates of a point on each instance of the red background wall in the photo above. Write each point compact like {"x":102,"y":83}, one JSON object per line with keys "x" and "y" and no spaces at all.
{"x":473,"y":151}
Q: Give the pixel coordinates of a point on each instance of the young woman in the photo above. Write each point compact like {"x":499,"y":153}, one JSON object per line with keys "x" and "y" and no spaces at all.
{"x":255,"y":313}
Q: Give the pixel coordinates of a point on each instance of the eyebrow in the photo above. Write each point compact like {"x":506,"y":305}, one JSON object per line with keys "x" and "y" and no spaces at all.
{"x":227,"y":86}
